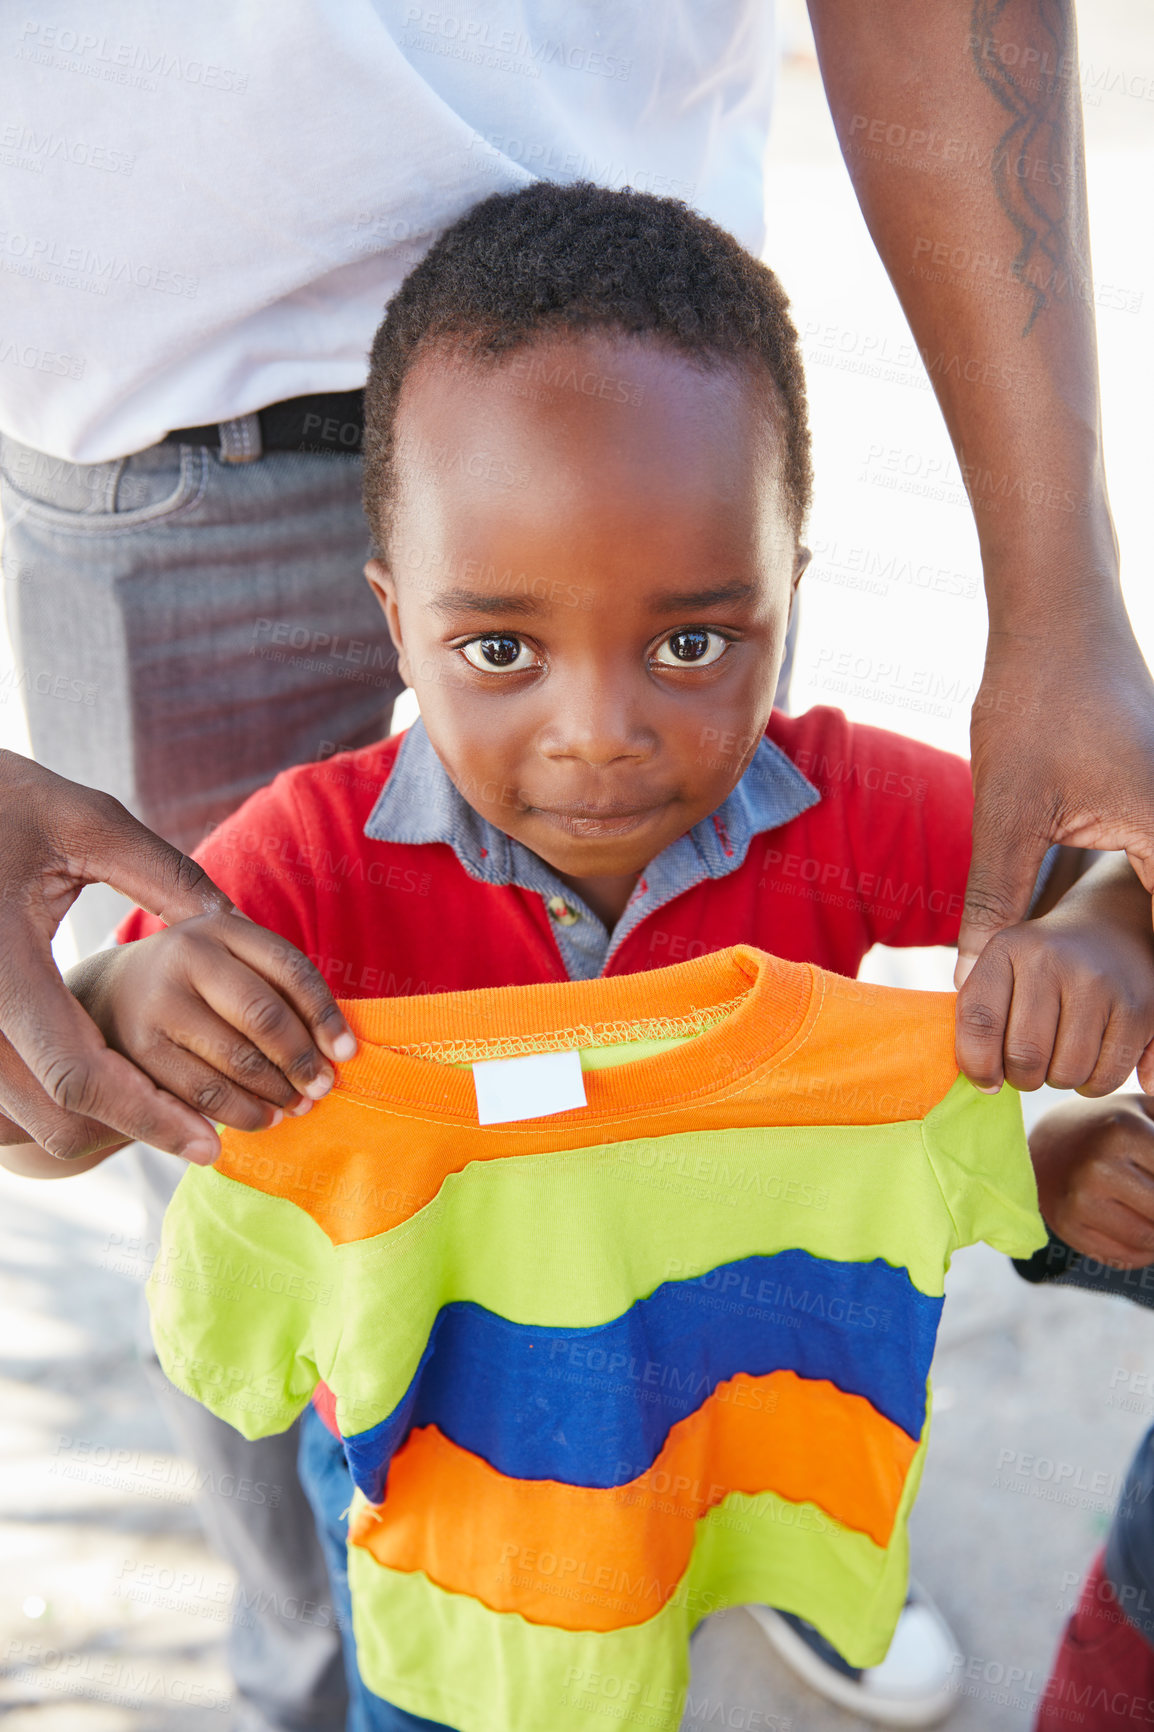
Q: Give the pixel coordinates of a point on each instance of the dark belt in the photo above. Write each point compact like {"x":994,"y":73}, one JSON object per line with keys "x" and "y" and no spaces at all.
{"x":331,"y":423}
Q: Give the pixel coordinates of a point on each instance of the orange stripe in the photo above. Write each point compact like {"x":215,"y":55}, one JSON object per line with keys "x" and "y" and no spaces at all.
{"x":582,"y":1558}
{"x":367,"y":1158}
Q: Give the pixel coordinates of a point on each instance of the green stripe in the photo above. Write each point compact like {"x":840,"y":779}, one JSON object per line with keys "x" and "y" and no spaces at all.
{"x":508,"y":1675}
{"x":244,"y":1301}
{"x":982,"y":1163}
{"x":566,"y":1239}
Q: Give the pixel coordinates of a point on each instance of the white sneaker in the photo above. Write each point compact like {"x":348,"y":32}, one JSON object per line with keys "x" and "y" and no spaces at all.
{"x":911,"y":1687}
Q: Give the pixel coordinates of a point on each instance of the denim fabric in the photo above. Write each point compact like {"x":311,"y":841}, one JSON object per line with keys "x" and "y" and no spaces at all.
{"x":329,"y":1488}
{"x":184,"y":628}
{"x":1130,"y":1546}
{"x":420,"y":804}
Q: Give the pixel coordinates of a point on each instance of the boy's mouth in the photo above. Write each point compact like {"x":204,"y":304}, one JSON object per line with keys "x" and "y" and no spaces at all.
{"x":595,"y":821}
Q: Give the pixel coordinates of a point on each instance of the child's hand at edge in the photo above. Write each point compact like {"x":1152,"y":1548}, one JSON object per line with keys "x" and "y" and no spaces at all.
{"x":1067,"y":999}
{"x":216,"y":1011}
{"x":1094,"y":1163}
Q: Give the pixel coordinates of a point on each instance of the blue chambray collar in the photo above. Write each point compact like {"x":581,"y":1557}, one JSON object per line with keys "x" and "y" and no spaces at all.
{"x":419,"y":804}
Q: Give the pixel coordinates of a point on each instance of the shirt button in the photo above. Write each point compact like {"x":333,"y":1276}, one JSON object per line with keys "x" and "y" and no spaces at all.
{"x":562,"y":912}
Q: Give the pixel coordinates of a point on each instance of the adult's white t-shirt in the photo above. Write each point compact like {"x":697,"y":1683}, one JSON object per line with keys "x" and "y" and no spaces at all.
{"x":205,"y":208}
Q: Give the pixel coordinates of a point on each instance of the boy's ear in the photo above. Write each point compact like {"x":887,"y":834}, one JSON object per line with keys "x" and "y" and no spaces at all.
{"x":384,"y":587}
{"x":801,"y":560}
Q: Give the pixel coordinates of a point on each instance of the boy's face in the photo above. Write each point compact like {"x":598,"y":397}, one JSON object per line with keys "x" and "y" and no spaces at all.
{"x":590,"y":580}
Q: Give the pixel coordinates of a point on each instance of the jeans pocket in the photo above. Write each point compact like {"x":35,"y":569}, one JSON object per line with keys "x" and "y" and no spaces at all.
{"x":101,"y":498}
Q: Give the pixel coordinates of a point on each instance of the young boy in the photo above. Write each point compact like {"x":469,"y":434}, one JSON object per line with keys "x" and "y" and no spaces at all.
{"x":587,"y":472}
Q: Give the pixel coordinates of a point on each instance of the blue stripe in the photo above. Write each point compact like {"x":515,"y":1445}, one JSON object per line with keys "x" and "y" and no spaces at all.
{"x":594,"y":1407}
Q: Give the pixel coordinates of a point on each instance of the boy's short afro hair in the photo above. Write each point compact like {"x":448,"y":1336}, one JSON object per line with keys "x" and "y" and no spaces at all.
{"x":547,"y":259}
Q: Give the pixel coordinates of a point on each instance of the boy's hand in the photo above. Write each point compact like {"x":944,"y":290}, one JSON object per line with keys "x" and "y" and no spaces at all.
{"x":1094,"y":1162}
{"x":1067,"y":999}
{"x":217,"y":1011}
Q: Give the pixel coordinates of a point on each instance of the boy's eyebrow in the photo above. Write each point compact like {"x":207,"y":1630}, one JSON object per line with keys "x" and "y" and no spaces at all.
{"x":686,"y":600}
{"x":459,"y":600}
{"x":452,"y":601}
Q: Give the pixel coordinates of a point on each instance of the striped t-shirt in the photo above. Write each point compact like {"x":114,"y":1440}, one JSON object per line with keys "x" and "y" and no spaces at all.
{"x":603,"y":1372}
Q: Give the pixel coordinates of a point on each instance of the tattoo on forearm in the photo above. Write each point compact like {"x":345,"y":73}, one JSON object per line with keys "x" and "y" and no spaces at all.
{"x":1038,"y":93}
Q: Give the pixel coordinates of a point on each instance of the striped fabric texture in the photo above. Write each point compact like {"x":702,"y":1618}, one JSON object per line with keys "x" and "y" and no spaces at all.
{"x":601,"y":1373}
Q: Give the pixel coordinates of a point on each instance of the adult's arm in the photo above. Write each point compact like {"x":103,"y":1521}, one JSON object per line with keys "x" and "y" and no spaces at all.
{"x":960,"y":123}
{"x":60,"y":1084}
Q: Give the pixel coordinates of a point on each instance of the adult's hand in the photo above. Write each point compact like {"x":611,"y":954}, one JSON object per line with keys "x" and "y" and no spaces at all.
{"x":59,"y":1082}
{"x":1062,"y":746}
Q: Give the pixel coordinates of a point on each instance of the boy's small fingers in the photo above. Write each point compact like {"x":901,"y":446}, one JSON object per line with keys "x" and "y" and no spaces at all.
{"x":246,"y":1002}
{"x":1084,"y":1053}
{"x":1128,"y":1218}
{"x":983,"y":1005}
{"x":1117,"y":1244}
{"x":214,"y":1095}
{"x":299,"y":982}
{"x":1120,"y":1049}
{"x":219,"y":1046}
{"x":1109,"y":1072}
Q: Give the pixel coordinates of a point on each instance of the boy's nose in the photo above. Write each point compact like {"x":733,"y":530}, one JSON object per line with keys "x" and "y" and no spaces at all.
{"x":596,"y":722}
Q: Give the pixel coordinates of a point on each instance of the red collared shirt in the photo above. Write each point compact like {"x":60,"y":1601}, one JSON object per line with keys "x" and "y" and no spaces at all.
{"x":880,"y":857}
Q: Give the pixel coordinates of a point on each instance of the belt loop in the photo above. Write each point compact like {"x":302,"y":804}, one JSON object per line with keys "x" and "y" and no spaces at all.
{"x":240,"y":440}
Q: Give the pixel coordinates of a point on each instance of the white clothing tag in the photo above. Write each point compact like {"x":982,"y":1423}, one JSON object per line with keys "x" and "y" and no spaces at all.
{"x":528,"y":1088}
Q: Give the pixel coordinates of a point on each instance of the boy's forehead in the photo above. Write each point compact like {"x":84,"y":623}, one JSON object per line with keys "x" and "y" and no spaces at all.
{"x":621,"y":419}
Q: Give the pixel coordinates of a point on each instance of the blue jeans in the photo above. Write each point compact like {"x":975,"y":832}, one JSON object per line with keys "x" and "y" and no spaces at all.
{"x":329,"y":1488}
{"x":1130,"y":1545}
{"x":183,"y":629}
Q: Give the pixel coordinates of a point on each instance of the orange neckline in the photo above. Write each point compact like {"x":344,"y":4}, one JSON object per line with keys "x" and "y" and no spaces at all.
{"x":776,"y":999}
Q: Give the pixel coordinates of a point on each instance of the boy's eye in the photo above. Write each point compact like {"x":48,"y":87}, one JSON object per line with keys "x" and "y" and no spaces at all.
{"x":693,"y":648}
{"x":500,"y":654}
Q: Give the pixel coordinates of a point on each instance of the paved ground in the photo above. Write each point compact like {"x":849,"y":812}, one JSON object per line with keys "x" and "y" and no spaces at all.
{"x":112,"y":1611}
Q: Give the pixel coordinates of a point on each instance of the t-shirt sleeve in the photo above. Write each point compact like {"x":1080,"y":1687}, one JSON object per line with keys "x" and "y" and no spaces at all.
{"x":243,"y":1301}
{"x":259,"y":858}
{"x":977,"y":1147}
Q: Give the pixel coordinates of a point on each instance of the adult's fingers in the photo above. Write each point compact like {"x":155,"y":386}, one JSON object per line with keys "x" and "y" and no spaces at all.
{"x":1007,"y":856}
{"x":166,"y":1123}
{"x":70,"y":1064}
{"x":980,"y":1017}
{"x":284,"y":1024}
{"x":40,"y":1118}
{"x":126,"y":855}
{"x":56,"y":837}
{"x":60,"y":835}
